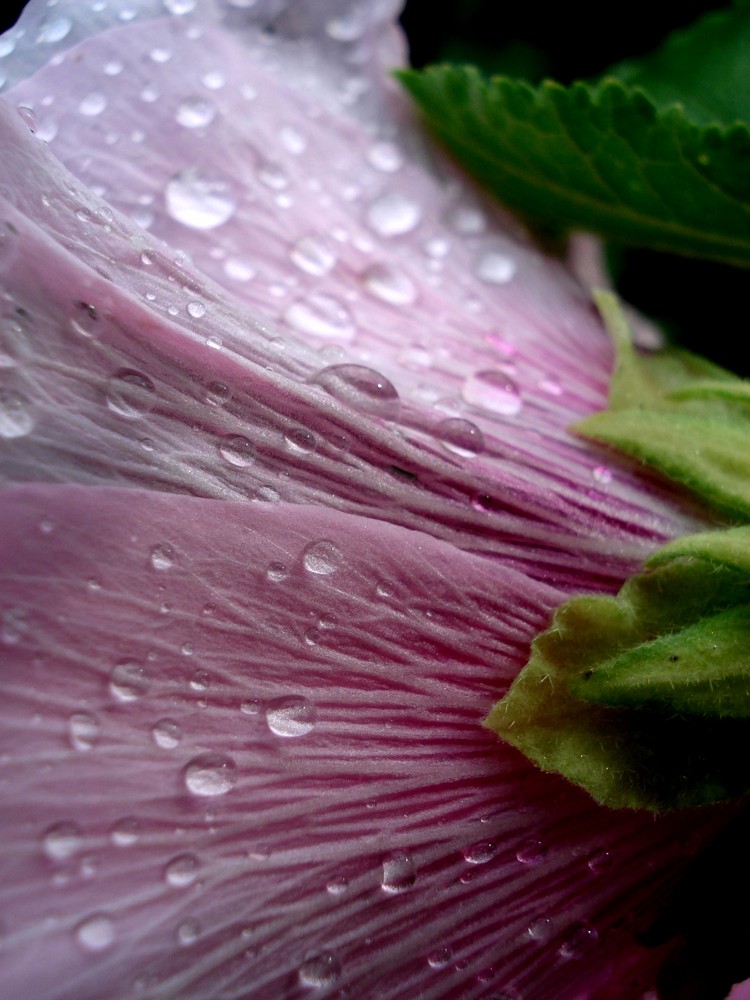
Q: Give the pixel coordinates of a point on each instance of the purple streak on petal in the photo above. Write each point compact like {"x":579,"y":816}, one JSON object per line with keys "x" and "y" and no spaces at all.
{"x":241,"y":749}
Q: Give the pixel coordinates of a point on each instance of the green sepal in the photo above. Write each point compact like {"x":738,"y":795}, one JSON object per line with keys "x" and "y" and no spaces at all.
{"x":646,"y":750}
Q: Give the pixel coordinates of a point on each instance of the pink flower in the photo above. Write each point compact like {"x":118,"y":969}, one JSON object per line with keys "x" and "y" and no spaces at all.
{"x":283,"y":426}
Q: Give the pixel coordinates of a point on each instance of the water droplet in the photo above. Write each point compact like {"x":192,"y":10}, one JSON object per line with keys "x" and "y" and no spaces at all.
{"x":495,"y":268}
{"x":182,"y":871}
{"x":313,"y":256}
{"x":218,"y":394}
{"x":321,"y":969}
{"x":439,"y":958}
{"x":272,"y":175}
{"x":389,"y":284}
{"x":62,"y":841}
{"x":16,"y":419}
{"x":602,"y":475}
{"x":237,"y":450}
{"x":531,"y":853}
{"x":540,"y":929}
{"x":361,"y":388}
{"x":130,"y":394}
{"x":188,"y":932}
{"x":28,"y":117}
{"x":292,"y":140}
{"x":180,"y":6}
{"x":200,"y":681}
{"x":95,"y":933}
{"x":301,"y":440}
{"x":125,"y":832}
{"x":599,"y":861}
{"x":322,"y":558}
{"x":239,"y":269}
{"x":128,"y":681}
{"x":196,"y":309}
{"x":210,"y":774}
{"x":399,"y":873}
{"x":493,"y":391}
{"x":166,"y":734}
{"x":385,"y":156}
{"x":54,"y":29}
{"x":83,"y":731}
{"x":321,"y":316}
{"x":337,"y":886}
{"x":162,"y":557}
{"x":393,"y":214}
{"x":93,"y":105}
{"x":290,"y":717}
{"x":384,"y":589}
{"x":460,"y":436}
{"x":481,"y":853}
{"x":214,"y":343}
{"x":196,"y":112}
{"x":276,"y":572}
{"x":579,"y":942}
{"x":199,"y":202}
{"x":466,"y":219}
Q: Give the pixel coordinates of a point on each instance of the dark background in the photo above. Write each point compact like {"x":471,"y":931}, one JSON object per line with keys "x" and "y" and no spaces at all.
{"x":701,"y":306}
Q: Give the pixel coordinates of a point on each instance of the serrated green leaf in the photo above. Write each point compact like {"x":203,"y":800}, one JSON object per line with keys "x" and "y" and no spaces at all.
{"x":601,"y":157}
{"x":650,"y":753}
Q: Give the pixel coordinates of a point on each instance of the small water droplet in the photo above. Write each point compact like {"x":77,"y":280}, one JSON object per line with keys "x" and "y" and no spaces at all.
{"x":196,"y":309}
{"x":239,"y":269}
{"x":54,"y":29}
{"x":439,"y":958}
{"x":531,"y":853}
{"x":196,"y":112}
{"x":214,"y":343}
{"x":130,"y":394}
{"x":361,"y":388}
{"x":188,"y":932}
{"x":321,"y":316}
{"x":95,"y":933}
{"x":182,"y":871}
{"x":180,"y":6}
{"x":210,"y":774}
{"x":337,"y":886}
{"x":277,"y":572}
{"x":199,"y":202}
{"x":290,"y":717}
{"x":166,"y":734}
{"x":162,"y":557}
{"x":385,"y":156}
{"x":200,"y":681}
{"x":384,"y":589}
{"x":92,"y":105}
{"x":28,"y":117}
{"x":250,"y":707}
{"x":237,"y":450}
{"x":481,"y":852}
{"x":540,"y":929}
{"x":320,"y":969}
{"x":460,"y":436}
{"x":399,"y":873}
{"x":322,"y":558}
{"x":62,"y":841}
{"x":393,"y":214}
{"x":83,"y":730}
{"x":495,"y":268}
{"x":493,"y":391}
{"x":313,"y":256}
{"x":466,"y":219}
{"x":602,"y":475}
{"x":16,"y":417}
{"x":599,"y":861}
{"x":218,"y":394}
{"x":579,"y":942}
{"x":292,"y":140}
{"x":128,"y":681}
{"x":389,"y":284}
{"x":125,"y":832}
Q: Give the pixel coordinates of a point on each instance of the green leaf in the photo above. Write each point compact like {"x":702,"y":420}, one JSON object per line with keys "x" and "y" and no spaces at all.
{"x":657,"y":736}
{"x":602,"y":157}
{"x":684,"y":416}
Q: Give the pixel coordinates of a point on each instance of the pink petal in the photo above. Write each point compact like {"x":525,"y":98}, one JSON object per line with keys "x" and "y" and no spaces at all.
{"x":241,"y":756}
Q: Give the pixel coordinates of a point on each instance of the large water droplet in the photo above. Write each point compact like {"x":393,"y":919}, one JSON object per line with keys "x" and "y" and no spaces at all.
{"x":125,"y":832}
{"x":389,"y":284}
{"x":290,"y":717}
{"x":361,"y":388}
{"x":322,"y":558}
{"x":531,"y":853}
{"x":399,"y":873}
{"x":313,"y":256}
{"x":62,"y":841}
{"x":196,"y":112}
{"x":439,"y":958}
{"x":495,"y":268}
{"x":580,"y":941}
{"x":321,"y":969}
{"x":129,"y":681}
{"x":321,"y":316}
{"x":237,"y":450}
{"x":83,"y":730}
{"x":16,"y":417}
{"x":54,"y":29}
{"x":460,"y":436}
{"x":540,"y":929}
{"x":162,"y":557}
{"x":493,"y":391}
{"x":95,"y":933}
{"x":199,"y":202}
{"x":130,"y":394}
{"x":393,"y":214}
{"x":166,"y":734}
{"x":480,"y":853}
{"x":210,"y":774}
{"x":182,"y":871}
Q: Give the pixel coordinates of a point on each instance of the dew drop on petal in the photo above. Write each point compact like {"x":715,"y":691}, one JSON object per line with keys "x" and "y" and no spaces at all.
{"x":130,"y":394}
{"x":599,"y":861}
{"x":93,"y":105}
{"x":16,"y":418}
{"x":389,"y":284}
{"x":218,"y":394}
{"x":128,"y":681}
{"x":162,"y":557}
{"x":495,"y":268}
{"x":531,"y":853}
{"x":460,"y":436}
{"x":182,"y":871}
{"x":320,"y":969}
{"x":321,"y":316}
{"x":62,"y":841}
{"x":362,"y":388}
{"x":188,"y":932}
{"x":322,"y":558}
{"x":439,"y":958}
{"x":196,"y":309}
{"x":493,"y":391}
{"x":166,"y":734}
{"x":83,"y":730}
{"x":276,"y":572}
{"x":196,"y":112}
{"x":399,"y":873}
{"x":125,"y":832}
{"x":96,"y":932}
{"x":579,"y":942}
{"x":602,"y":475}
{"x":301,"y":440}
{"x":313,"y":256}
{"x":210,"y":775}
{"x":290,"y":717}
{"x":28,"y":117}
{"x":481,"y":852}
{"x":53,"y":29}
{"x":179,"y":6}
{"x":540,"y":929}
{"x":385,"y":156}
{"x":337,"y":886}
{"x":393,"y":214}
{"x":237,"y":450}
{"x":198,"y":202}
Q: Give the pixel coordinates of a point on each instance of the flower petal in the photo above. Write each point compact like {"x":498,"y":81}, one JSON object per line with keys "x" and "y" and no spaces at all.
{"x":241,"y":757}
